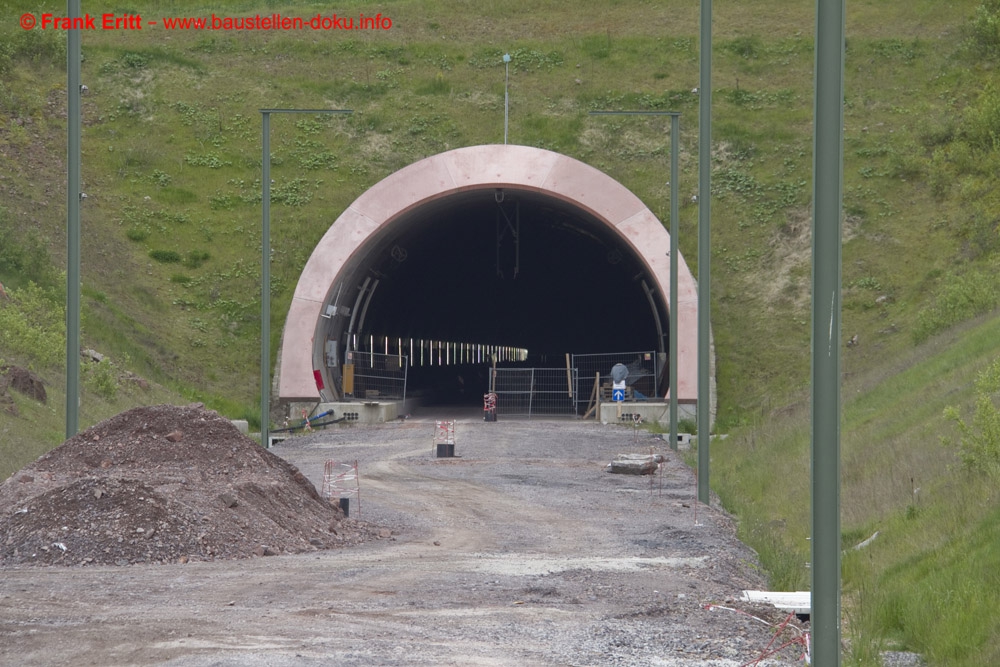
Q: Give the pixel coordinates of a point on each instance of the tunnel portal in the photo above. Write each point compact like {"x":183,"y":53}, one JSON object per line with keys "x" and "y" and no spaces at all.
{"x":489,"y":247}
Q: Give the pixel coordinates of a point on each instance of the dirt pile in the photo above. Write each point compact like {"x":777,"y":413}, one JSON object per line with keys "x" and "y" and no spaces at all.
{"x":164,"y":484}
{"x":21,"y":380}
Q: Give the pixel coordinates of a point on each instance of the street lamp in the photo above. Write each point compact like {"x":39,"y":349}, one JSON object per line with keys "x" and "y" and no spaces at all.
{"x":73,"y":197}
{"x":828,"y":184}
{"x":506,"y":96}
{"x":674,"y":252}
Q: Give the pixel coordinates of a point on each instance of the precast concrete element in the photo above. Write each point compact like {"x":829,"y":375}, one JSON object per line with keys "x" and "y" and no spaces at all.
{"x":648,"y":411}
{"x":334,"y":292}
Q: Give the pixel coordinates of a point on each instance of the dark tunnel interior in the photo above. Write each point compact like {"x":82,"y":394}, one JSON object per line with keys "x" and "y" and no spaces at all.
{"x":507,"y":267}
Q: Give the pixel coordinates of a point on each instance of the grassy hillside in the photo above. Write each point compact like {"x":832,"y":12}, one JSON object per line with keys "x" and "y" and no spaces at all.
{"x":928,"y":581}
{"x":172,"y":165}
{"x":171,"y":243}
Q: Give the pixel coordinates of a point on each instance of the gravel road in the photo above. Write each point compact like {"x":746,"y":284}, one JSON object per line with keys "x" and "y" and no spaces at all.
{"x":520,"y":550}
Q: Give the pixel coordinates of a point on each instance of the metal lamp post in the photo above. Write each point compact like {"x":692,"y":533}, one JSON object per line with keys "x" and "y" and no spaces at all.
{"x":674,"y":251}
{"x":73,"y":196}
{"x":828,"y":177}
{"x":704,"y":249}
{"x":506,"y":95}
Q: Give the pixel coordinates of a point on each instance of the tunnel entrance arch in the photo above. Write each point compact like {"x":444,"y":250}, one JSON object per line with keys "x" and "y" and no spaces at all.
{"x":500,"y":245}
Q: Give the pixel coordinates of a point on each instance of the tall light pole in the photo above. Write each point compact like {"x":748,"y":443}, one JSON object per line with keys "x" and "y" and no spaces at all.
{"x":73,"y":196}
{"x":506,"y":95}
{"x":265,"y":265}
{"x":704,"y":248}
{"x":828,"y":179}
{"x":675,"y":149}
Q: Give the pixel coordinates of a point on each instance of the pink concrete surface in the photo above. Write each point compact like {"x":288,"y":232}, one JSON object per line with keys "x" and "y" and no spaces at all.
{"x":528,"y":167}
{"x":475,"y":167}
{"x":595,"y":192}
{"x":330,"y":255}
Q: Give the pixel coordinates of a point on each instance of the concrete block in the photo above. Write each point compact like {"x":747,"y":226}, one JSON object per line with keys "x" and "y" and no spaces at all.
{"x":648,"y":411}
{"x":367,"y":412}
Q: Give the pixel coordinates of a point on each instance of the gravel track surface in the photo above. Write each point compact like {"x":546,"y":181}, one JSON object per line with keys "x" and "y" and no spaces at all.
{"x":521,"y":550}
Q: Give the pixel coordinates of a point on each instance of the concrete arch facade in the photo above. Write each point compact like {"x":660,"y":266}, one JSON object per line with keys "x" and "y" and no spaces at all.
{"x":340,"y":256}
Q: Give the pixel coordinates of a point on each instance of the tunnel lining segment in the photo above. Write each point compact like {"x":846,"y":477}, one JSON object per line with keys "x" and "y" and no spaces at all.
{"x":341,"y":251}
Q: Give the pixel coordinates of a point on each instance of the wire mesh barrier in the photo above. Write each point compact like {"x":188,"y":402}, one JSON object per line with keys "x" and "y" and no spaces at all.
{"x":594,"y":376}
{"x":375,"y":376}
{"x":444,"y":439}
{"x":535,"y":392}
{"x":490,"y":407}
{"x":341,"y":481}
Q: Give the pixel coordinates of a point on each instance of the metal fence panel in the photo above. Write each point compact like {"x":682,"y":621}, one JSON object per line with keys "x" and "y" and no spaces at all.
{"x":379,"y":376}
{"x":645,"y":370}
{"x":535,"y":392}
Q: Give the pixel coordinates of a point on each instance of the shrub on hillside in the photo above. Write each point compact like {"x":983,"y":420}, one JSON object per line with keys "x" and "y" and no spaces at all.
{"x":981,"y":124}
{"x":979,"y":445}
{"x":32,"y":326}
{"x":33,"y":46}
{"x":23,"y":255}
{"x":960,"y":298}
{"x":165,"y":256}
{"x":984,"y":30}
{"x":196,"y":258}
{"x":101,"y":378}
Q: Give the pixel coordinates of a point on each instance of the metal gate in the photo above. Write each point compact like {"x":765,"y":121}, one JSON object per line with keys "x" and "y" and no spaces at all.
{"x":535,"y":392}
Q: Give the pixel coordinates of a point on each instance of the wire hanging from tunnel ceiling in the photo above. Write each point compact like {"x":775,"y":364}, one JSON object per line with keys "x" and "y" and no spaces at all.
{"x":507,"y":225}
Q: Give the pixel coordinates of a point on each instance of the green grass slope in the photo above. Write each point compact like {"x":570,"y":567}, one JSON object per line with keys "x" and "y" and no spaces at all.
{"x":928,"y":582}
{"x":171,"y":240}
{"x":172,"y":165}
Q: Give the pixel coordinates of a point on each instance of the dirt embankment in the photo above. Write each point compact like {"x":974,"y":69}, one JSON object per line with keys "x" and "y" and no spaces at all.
{"x":163,"y":484}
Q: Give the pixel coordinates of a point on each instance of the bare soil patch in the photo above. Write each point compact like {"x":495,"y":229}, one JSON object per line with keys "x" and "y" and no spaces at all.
{"x":22,"y":381}
{"x":520,"y":550}
{"x":163,"y":484}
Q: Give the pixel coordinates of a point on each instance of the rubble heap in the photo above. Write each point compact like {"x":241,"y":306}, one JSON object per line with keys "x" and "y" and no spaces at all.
{"x":164,"y":484}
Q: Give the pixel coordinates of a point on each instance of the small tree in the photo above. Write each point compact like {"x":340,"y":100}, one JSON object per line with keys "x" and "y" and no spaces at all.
{"x":979,"y":446}
{"x":984,"y":30}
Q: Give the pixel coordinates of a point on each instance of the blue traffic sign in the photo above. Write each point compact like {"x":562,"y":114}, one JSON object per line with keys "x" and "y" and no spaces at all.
{"x":618,"y":395}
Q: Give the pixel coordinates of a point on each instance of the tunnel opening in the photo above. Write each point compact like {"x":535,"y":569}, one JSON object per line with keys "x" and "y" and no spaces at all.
{"x":485,"y":252}
{"x":497,"y":267}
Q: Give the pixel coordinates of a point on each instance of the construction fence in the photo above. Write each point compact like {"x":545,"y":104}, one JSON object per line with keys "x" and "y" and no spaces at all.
{"x":373,"y":376}
{"x":573,"y":390}
{"x":645,"y":370}
{"x":534,"y":392}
